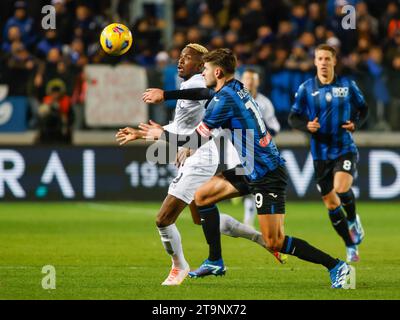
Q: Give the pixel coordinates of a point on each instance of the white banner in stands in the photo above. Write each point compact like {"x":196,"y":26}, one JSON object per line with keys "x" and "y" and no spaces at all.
{"x":114,"y":95}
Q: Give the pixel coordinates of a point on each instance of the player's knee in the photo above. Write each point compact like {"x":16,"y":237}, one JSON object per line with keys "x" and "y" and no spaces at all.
{"x":341,"y":189}
{"x":160,"y":222}
{"x":163,"y":220}
{"x":201,"y":200}
{"x":330,"y":203}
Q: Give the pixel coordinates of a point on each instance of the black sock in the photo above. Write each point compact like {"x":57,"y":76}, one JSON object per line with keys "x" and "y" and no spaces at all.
{"x":349,"y":204}
{"x":303,"y":250}
{"x":210,"y":222}
{"x":339,"y":223}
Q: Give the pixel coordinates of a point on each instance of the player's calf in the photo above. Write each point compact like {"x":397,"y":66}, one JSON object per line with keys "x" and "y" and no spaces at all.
{"x":349,"y":204}
{"x":229,"y":226}
{"x":169,"y":211}
{"x":331,"y":200}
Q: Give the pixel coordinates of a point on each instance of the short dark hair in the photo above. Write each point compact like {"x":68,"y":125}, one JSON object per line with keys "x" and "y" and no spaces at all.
{"x":326,"y":47}
{"x":224,"y":58}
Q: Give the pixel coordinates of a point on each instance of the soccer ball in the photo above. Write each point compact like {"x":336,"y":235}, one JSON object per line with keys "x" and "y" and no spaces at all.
{"x":116,"y":39}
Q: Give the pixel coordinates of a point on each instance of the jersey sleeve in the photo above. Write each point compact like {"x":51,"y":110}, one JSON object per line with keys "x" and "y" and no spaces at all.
{"x":359,"y":106}
{"x":189,"y":94}
{"x":218,"y":113}
{"x":268,"y":114}
{"x":357,"y":98}
{"x":300,"y":104}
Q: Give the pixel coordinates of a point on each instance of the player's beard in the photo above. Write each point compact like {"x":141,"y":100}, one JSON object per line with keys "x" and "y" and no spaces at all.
{"x":211,"y":84}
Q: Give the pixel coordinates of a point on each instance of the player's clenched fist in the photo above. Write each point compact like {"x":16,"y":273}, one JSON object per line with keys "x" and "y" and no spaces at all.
{"x":349,"y":126}
{"x":313,"y":126}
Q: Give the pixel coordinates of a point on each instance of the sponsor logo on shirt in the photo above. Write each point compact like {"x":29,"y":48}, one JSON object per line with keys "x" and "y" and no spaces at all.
{"x":328,"y":97}
{"x":340,"y":92}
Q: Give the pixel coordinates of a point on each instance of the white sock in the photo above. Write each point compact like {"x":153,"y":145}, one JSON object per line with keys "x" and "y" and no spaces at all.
{"x":231,"y":227}
{"x":249,"y":211}
{"x":171,"y":240}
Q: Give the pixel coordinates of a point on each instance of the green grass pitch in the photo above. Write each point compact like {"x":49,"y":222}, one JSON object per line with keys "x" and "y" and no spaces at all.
{"x":113,"y":251}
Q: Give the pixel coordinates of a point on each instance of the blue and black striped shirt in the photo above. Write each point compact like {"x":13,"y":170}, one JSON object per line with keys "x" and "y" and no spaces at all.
{"x":234,"y":108}
{"x":333,"y":104}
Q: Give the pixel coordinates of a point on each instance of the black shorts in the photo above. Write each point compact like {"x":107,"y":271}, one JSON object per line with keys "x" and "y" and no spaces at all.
{"x":326,"y":169}
{"x":269,"y":192}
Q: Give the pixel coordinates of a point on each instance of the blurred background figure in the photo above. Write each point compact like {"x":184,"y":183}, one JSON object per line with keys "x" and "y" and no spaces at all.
{"x":24,"y":23}
{"x":49,"y":42}
{"x":13,"y":35}
{"x":393,"y":81}
{"x":378,"y":73}
{"x":251,"y":81}
{"x":156,"y":77}
{"x":55,"y":115}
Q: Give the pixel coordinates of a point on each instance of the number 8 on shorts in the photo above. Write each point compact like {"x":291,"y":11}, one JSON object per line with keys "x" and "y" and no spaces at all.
{"x":347,"y":165}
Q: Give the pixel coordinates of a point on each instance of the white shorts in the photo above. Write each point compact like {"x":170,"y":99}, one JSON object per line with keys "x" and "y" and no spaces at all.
{"x":197,"y":169}
{"x":232,"y":159}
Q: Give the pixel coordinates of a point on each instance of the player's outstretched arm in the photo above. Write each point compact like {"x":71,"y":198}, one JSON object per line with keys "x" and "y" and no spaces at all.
{"x":153,"y":96}
{"x":189,"y":94}
{"x":151,"y":130}
{"x":127,"y":134}
{"x":154,"y":131}
{"x":361,"y":117}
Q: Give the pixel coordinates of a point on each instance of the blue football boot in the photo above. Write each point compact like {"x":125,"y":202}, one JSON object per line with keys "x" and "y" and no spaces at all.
{"x":343,"y":276}
{"x":209,"y":268}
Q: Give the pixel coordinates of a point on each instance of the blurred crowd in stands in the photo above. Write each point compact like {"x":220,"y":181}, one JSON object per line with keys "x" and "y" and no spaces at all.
{"x":276,"y":38}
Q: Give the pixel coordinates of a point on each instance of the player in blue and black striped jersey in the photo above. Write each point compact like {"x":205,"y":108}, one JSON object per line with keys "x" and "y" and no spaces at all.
{"x":331,"y":108}
{"x":233,"y":108}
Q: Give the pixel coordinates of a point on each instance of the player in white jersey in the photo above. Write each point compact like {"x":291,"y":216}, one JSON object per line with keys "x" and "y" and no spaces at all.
{"x":195,"y":171}
{"x":251,"y":80}
{"x":198,"y":169}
